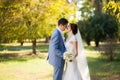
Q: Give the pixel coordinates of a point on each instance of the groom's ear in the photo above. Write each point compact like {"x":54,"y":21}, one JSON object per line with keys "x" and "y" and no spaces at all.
{"x":60,"y":25}
{"x":66,"y":25}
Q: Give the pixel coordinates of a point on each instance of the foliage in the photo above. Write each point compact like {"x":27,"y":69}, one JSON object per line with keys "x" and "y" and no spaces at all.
{"x":98,"y":27}
{"x":85,"y":30}
{"x":29,"y":19}
{"x":113,"y":8}
{"x":54,"y":11}
{"x":86,"y":9}
{"x":99,"y":24}
{"x":10,"y":20}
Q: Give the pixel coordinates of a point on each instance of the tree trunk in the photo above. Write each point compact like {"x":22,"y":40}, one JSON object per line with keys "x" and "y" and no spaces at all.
{"x":96,"y":43}
{"x":115,"y":0}
{"x":107,"y":1}
{"x":111,"y":53}
{"x":111,"y":49}
{"x":111,"y":57}
{"x":88,"y":42}
{"x":21,"y":43}
{"x":34,"y":46}
{"x":47,"y":39}
{"x":98,"y":6}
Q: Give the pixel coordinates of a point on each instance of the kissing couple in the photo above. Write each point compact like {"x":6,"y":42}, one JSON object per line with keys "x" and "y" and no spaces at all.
{"x":59,"y":53}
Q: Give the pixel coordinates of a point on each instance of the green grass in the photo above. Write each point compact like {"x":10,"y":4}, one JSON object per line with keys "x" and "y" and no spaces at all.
{"x":18,"y":63}
{"x":33,"y":69}
{"x":40,"y":47}
{"x":102,"y":68}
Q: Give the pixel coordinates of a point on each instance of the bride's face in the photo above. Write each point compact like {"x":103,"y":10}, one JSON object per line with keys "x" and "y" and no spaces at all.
{"x":68,"y":29}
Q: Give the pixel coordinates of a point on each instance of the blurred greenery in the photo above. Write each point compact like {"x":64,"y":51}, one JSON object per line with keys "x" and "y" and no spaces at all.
{"x":31,"y":19}
{"x":40,"y":47}
{"x":101,"y":21}
{"x":35,"y":19}
{"x":24,"y":65}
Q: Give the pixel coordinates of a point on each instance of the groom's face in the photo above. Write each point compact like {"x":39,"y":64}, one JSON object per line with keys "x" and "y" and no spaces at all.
{"x":64,"y":27}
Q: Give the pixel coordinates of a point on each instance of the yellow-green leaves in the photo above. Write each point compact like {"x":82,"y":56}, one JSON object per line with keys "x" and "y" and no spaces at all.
{"x":112,"y":8}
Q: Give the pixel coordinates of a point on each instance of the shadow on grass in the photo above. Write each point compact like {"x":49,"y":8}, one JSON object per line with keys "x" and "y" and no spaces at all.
{"x":9,"y":57}
{"x":102,"y":69}
{"x":14,"y":48}
{"x":23,"y":56}
{"x":41,"y":48}
{"x":46,"y":76}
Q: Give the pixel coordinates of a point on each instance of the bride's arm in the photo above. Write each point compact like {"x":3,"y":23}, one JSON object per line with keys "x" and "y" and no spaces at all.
{"x":75,"y":48}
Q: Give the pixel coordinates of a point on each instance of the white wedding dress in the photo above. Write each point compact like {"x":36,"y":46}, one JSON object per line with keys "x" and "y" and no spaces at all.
{"x":77,"y":69}
{"x":71,"y":72}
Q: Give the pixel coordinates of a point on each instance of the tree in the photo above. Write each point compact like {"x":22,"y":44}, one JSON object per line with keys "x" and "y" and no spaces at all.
{"x":86,"y":10}
{"x":95,"y":30}
{"x":102,"y":26}
{"x":56,"y":10}
{"x":84,"y":26}
{"x":31,"y":19}
{"x":113,"y":9}
{"x":98,"y":27}
{"x":10,"y":18}
{"x":91,"y":8}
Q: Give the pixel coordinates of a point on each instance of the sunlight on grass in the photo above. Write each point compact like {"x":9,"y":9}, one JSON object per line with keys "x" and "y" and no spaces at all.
{"x":35,"y":69}
{"x":23,"y":65}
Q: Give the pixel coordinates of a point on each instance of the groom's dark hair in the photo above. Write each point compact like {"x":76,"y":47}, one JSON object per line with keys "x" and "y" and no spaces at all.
{"x":62,"y":21}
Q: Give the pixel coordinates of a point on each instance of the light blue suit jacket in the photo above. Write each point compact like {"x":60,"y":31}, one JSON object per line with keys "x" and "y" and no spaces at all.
{"x":56,"y":49}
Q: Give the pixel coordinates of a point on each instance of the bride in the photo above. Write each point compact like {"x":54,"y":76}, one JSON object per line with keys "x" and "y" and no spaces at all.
{"x":78,"y":68}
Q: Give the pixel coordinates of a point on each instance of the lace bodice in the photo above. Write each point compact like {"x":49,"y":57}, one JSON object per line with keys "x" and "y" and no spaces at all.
{"x":78,"y":68}
{"x":71,"y":70}
{"x":69,"y":45}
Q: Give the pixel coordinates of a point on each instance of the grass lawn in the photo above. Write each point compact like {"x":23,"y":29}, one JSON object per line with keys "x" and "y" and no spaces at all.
{"x":18,"y":63}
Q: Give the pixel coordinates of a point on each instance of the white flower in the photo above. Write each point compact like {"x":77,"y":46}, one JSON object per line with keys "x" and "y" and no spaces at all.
{"x":68,"y":56}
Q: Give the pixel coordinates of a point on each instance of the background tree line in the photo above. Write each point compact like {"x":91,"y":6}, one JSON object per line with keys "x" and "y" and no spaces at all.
{"x":100,"y":22}
{"x":35,"y":19}
{"x":31,"y":19}
{"x":99,"y":19}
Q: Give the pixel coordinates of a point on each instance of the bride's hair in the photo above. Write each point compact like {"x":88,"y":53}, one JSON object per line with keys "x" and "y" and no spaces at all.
{"x":74,"y":28}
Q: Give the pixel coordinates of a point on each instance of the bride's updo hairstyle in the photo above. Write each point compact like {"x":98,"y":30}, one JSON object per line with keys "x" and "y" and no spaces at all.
{"x":74,"y":28}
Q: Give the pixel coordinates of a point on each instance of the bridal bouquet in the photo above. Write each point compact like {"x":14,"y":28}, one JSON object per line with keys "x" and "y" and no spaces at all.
{"x":68,"y":56}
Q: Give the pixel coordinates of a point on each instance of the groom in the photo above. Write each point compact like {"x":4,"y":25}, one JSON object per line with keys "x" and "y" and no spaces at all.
{"x":57,"y":48}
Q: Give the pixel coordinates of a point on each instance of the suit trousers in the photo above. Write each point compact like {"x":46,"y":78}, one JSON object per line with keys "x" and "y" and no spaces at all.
{"x":58,"y":72}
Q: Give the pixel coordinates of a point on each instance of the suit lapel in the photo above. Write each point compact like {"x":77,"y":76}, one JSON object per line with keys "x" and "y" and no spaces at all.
{"x":61,"y":36}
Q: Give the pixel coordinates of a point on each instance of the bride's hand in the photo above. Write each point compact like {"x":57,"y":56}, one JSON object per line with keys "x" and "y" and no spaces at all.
{"x":75,"y":55}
